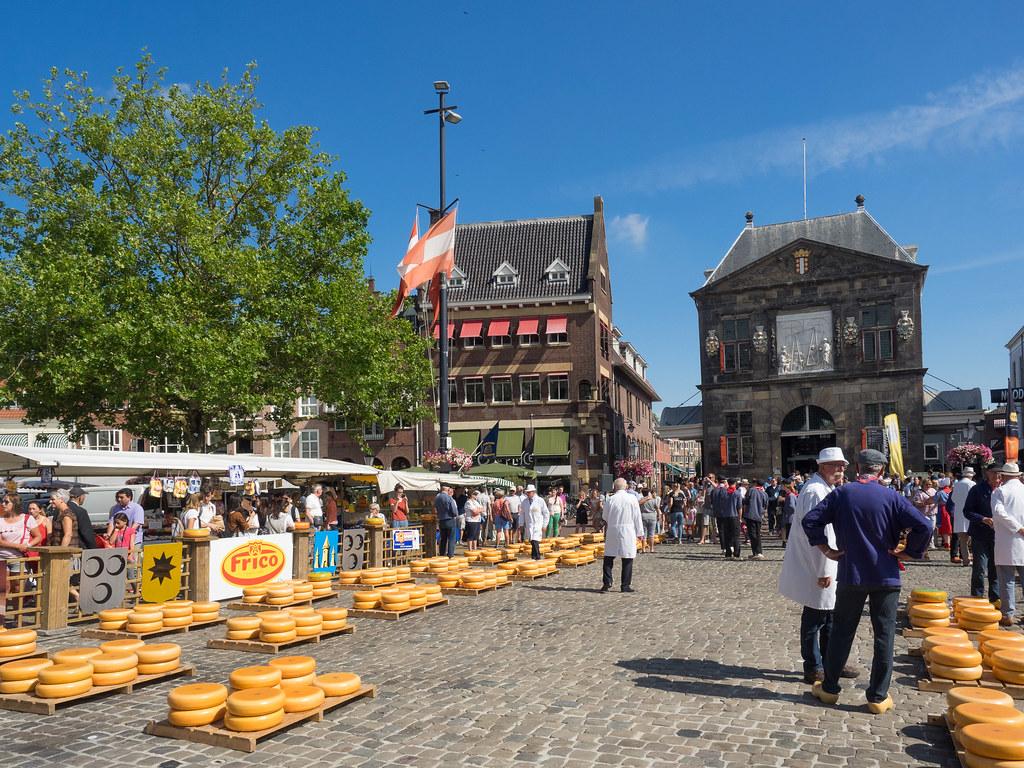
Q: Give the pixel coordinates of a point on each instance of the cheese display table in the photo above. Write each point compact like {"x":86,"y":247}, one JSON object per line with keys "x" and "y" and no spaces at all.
{"x":261,"y":646}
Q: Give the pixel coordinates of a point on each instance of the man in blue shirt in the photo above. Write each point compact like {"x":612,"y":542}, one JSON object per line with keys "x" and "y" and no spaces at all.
{"x":868,"y":520}
{"x":978,"y":511}
{"x":135,"y":513}
{"x":447,"y":512}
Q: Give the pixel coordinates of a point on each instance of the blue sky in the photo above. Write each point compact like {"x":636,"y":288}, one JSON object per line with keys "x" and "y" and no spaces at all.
{"x":682,"y":116}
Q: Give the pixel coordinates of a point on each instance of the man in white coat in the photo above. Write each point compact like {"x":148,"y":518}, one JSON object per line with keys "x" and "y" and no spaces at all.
{"x":961,"y":488}
{"x":535,"y":519}
{"x":623,"y":527}
{"x":808,"y":577}
{"x":1008,"y":517}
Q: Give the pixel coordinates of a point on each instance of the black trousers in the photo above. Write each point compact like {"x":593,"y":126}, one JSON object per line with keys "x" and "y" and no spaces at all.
{"x":721,"y":532}
{"x":535,"y":550}
{"x":627,"y":571}
{"x":730,"y":527}
{"x":754,"y":533}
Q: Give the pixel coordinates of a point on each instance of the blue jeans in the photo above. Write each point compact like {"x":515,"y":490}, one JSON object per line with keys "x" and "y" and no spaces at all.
{"x":815,"y":626}
{"x":1004,"y":575}
{"x":984,"y":565}
{"x":677,"y":524}
{"x":448,"y":530}
{"x":882,"y":602}
{"x":399,"y":523}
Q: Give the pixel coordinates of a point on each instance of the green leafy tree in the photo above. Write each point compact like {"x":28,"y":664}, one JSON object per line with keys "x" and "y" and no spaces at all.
{"x":171,"y":264}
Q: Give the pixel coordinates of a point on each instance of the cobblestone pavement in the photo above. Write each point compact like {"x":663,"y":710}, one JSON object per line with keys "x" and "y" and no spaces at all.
{"x":700,"y":667}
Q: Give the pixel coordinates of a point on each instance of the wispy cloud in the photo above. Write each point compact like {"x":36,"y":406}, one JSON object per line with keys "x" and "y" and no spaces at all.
{"x":631,"y":228}
{"x":975,"y":263}
{"x":988,"y":109}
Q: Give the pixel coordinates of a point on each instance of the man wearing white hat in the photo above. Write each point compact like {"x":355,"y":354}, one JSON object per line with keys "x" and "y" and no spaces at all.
{"x":1008,"y":516}
{"x":535,"y":519}
{"x":808,"y":577}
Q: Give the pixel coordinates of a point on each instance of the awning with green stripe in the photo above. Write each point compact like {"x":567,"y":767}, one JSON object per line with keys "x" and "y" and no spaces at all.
{"x":551,"y":441}
{"x":466,"y":439}
{"x":510,"y":442}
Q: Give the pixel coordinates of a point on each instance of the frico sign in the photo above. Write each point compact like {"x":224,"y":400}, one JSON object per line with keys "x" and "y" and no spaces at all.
{"x":238,"y":563}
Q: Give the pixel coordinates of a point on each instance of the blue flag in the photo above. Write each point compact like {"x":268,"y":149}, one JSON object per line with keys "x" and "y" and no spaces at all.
{"x":489,"y":445}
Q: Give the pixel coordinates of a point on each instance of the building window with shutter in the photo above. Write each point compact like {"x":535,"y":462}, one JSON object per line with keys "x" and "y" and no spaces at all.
{"x":739,"y":438}
{"x":877,"y":324}
{"x":736,"y":345}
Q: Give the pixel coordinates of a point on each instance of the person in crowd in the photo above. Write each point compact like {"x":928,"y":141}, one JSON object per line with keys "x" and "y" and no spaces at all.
{"x":130,"y":509}
{"x":196,"y":513}
{"x":624,"y":526}
{"x":332,"y":517}
{"x":649,"y":511}
{"x":924,"y":500}
{"x":278,"y":519}
{"x":86,"y":532}
{"x":399,"y":508}
{"x":555,"y":508}
{"x":314,"y":507}
{"x":515,"y":501}
{"x":238,"y":524}
{"x":535,"y":517}
{"x":375,"y":515}
{"x":487,"y":529}
{"x":37,"y":509}
{"x":1008,"y":516}
{"x":581,"y":512}
{"x":676,"y":502}
{"x":447,"y":520}
{"x":501,"y":510}
{"x":474,"y":517}
{"x":960,"y":550}
{"x":65,"y":532}
{"x":596,"y":509}
{"x":700,"y":515}
{"x":978,"y":511}
{"x":755,"y":504}
{"x":727,"y":510}
{"x":19,"y":533}
{"x":944,"y":523}
{"x":774,"y":491}
{"x":461,"y":497}
{"x":787,"y":503}
{"x":868,"y":522}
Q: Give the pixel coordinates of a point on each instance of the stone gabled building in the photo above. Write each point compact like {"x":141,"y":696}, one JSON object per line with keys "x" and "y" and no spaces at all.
{"x":810,"y":333}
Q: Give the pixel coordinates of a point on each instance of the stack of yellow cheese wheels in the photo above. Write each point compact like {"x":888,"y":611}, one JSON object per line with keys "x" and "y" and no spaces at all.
{"x":366,"y":601}
{"x":1008,"y":641}
{"x":307,"y":621}
{"x":508,"y":568}
{"x":280,"y":594}
{"x":530,"y":568}
{"x":196,"y":704}
{"x":448,"y":580}
{"x":76,"y":655}
{"x":303,"y":590}
{"x":338,"y":683}
{"x":999,"y":746}
{"x":438,"y":565}
{"x":403,"y":572}
{"x":419,"y":566}
{"x":114,"y":618}
{"x":984,"y":712}
{"x":177,"y":613}
{"x":509,"y":553}
{"x":978,"y":619}
{"x":490,"y":578}
{"x":545,"y":547}
{"x":129,"y":644}
{"x":254,"y":709}
{"x":433,"y":593}
{"x":277,"y":628}
{"x":372,"y":576}
{"x":394,"y":600}
{"x":254,"y":595}
{"x":60,"y":680}
{"x":114,"y":668}
{"x":321,"y":581}
{"x":349,"y":577}
{"x":205,"y":611}
{"x":570,"y":558}
{"x":963,"y":694}
{"x":928,"y":596}
{"x":500,"y":577}
{"x":491,"y":556}
{"x":927,"y":608}
{"x":932,"y":641}
{"x":417,"y":594}
{"x":243,"y":628}
{"x":1008,"y":665}
{"x":473,"y":555}
{"x":334,"y":618}
{"x":263,"y":676}
{"x":21,"y":676}
{"x":158,"y":658}
{"x":196,"y":533}
{"x":552,"y":556}
{"x":461,"y":562}
{"x":145,"y":617}
{"x":955,"y":662}
{"x":296,"y":671}
{"x":474,"y":578}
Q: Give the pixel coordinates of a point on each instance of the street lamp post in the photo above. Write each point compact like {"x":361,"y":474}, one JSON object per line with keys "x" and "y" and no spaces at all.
{"x":445,"y":114}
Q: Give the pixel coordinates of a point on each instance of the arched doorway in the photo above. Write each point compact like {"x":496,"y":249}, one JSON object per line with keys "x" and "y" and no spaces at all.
{"x":805,"y":431}
{"x":400,"y":463}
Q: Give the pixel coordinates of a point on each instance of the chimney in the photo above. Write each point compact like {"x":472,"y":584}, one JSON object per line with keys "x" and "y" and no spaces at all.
{"x":750,"y":219}
{"x":860,"y":202}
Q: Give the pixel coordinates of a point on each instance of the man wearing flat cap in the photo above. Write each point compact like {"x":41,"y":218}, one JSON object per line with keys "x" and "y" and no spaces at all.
{"x":868,"y":520}
{"x":1008,"y":516}
{"x":981,"y":528}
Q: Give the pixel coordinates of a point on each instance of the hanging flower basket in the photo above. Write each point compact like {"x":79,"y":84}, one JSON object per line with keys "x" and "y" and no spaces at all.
{"x":634,"y":469}
{"x":452,"y":460}
{"x":968,"y":454}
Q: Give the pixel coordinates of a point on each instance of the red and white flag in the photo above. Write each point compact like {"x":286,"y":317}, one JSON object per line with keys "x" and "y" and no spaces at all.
{"x":426,"y":258}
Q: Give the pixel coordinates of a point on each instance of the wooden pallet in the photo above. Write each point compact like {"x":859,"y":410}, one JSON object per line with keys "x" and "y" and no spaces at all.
{"x":259,"y":646}
{"x":988,"y":680}
{"x":28,"y":702}
{"x":943,"y":721}
{"x":575,"y":565}
{"x":219,"y":736}
{"x":260,"y":607}
{"x":521,"y":577}
{"x":36,"y":654}
{"x":371,"y":587}
{"x":121,"y":634}
{"x":377,"y":613}
{"x":472,"y":592}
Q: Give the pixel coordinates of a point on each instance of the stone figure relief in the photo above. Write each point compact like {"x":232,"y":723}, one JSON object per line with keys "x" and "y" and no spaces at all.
{"x":712,"y":344}
{"x":851,"y":333}
{"x":803,"y":342}
{"x":905,"y":325}
{"x":760,"y":340}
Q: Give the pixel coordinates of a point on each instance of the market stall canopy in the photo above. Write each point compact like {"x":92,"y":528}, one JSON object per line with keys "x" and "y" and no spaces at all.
{"x":25,"y":461}
{"x":424,"y":480}
{"x":497,"y":469}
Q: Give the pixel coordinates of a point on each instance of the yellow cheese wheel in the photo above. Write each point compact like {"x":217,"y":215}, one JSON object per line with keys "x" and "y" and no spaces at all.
{"x":149,"y":608}
{"x":11,"y":637}
{"x":309,"y":631}
{"x":142,"y":629}
{"x":18,"y":686}
{"x":280,"y":590}
{"x":115,"y":661}
{"x":930,"y":643}
{"x":279,"y":600}
{"x":254,"y":677}
{"x":249,"y":724}
{"x":300,"y":525}
{"x":915,"y":622}
{"x":308,"y":621}
{"x":333,"y":614}
{"x":397,"y":606}
{"x":298,"y":682}
{"x":331,"y":626}
{"x":417,"y":601}
{"x":928,"y":595}
{"x":254,"y":599}
{"x":1009,"y":658}
{"x":1003,"y":644}
{"x":255,"y":591}
{"x":977,"y":613}
{"x":1012,"y":676}
{"x":962,"y":694}
{"x":177,"y":612}
{"x":972,"y":760}
{"x":432,"y":589}
{"x":243,"y":622}
{"x":25,"y":669}
{"x":114,"y":614}
{"x":976,"y":626}
{"x":100,"y":679}
{"x":73,"y":655}
{"x":303,"y":592}
{"x":349,"y":574}
{"x":943,"y":632}
{"x":197,"y":696}
{"x":955,"y":656}
{"x":320,"y":576}
{"x":371,"y":580}
{"x":366,"y":596}
{"x":205,"y":606}
{"x":303,"y":699}
{"x":252,"y":702}
{"x":338,"y":683}
{"x":155,"y":653}
{"x":159,"y":668}
{"x":278,"y":637}
{"x":196,"y":533}
{"x":293,"y":666}
{"x":242,"y":634}
{"x":129,"y":644}
{"x":300,"y":610}
{"x":1003,"y":742}
{"x":70,"y":672}
{"x":277,"y":622}
{"x":60,"y":690}
{"x":393,"y":596}
{"x":111,"y":625}
{"x":203,"y":618}
{"x":367,"y":606}
{"x":190,"y":718}
{"x":175,"y":621}
{"x":322,"y":591}
{"x":956,"y":673}
{"x":929,"y":611}
{"x":982,"y":712}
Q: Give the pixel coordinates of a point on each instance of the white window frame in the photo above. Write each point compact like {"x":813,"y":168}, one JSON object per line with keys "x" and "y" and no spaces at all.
{"x":503,"y":380}
{"x":309,"y":444}
{"x":501,"y":341}
{"x":373,"y":431}
{"x":529,"y":379}
{"x":458,"y":279}
{"x":556,"y":379}
{"x":103,"y":440}
{"x":309,"y":407}
{"x":281,"y":447}
{"x":936,"y":454}
{"x":474,"y":381}
{"x":164,"y":445}
{"x":472,"y":342}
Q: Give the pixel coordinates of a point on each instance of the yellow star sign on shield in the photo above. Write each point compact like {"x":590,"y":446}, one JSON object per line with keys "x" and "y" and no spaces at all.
{"x":161,"y":572}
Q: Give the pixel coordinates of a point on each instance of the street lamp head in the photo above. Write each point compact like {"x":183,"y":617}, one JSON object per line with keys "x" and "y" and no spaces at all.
{"x":452,"y":117}
{"x":441,"y":86}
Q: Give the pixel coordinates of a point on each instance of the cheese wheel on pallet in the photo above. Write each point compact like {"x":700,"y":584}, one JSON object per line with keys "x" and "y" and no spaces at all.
{"x":243,"y":622}
{"x":74,"y":655}
{"x":205,"y":606}
{"x":114,"y":614}
{"x":333,"y":614}
{"x":1002,"y":742}
{"x":338,"y":683}
{"x":322,"y":592}
{"x":303,"y":698}
{"x":203,"y":618}
{"x":177,"y":611}
{"x":254,"y":677}
{"x":943,"y":632}
{"x":197,"y":696}
{"x":60,"y":690}
{"x":1010,"y":658}
{"x":962,"y":694}
{"x":320,"y":576}
{"x":977,"y":626}
{"x":928,"y":595}
{"x":65,"y":673}
{"x":361,"y":606}
{"x":366,"y":596}
{"x":331,"y":626}
{"x":309,"y":631}
{"x":929,"y":611}
{"x":259,"y":589}
{"x":254,"y":599}
{"x":242,"y":634}
{"x":994,"y":634}
{"x":248,"y":724}
{"x":129,"y":644}
{"x":159,"y":668}
{"x":253,"y":702}
{"x":278,"y":637}
{"x":956,"y":673}
{"x":190,"y":718}
{"x":196,"y":533}
{"x":149,"y":607}
{"x":297,"y":682}
{"x":978,"y":614}
{"x":18,"y":686}
{"x":1006,"y":641}
{"x":12,"y":637}
{"x":396,"y":607}
{"x":176,"y":621}
{"x":113,"y":625}
{"x":279,"y":600}
{"x":930,"y":643}
{"x":955,"y":656}
{"x":278,"y":622}
{"x":112,"y":662}
{"x":142,"y":629}
{"x":308,"y":621}
{"x":280,"y":590}
{"x":100,"y":679}
{"x":293,"y":666}
{"x":972,"y":760}
{"x":25,"y":669}
{"x":983,"y":712}
{"x":156,"y":653}
{"x":1011,"y":676}
{"x":393,"y":596}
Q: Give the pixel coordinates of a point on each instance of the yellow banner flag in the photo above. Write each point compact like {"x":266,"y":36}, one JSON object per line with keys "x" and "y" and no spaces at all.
{"x":892,"y":434}
{"x":161,"y":572}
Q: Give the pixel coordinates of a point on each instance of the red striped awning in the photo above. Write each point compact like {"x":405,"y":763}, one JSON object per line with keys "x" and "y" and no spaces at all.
{"x":451,"y":331}
{"x":556,"y":324}
{"x":528,"y":327}
{"x":498,"y":328}
{"x":471,"y":329}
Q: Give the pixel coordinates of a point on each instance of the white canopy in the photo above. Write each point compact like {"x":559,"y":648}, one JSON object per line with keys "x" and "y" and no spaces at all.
{"x":430,"y":481}
{"x":26,"y":461}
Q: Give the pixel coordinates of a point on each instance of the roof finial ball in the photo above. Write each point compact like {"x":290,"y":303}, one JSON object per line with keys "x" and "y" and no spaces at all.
{"x":860,"y":202}
{"x":750,"y":218}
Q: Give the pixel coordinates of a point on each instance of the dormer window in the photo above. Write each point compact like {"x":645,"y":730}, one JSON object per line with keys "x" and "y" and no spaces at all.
{"x":458,"y":279}
{"x":557,"y":272}
{"x":505,"y":275}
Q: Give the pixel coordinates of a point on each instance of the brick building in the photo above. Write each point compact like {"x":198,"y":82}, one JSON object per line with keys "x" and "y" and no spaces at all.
{"x":810,"y":333}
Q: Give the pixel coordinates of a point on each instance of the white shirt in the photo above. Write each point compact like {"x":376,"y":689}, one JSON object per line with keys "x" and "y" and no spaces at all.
{"x":959,"y":495}
{"x":624,"y":525}
{"x":314,"y":509}
{"x":535,"y":517}
{"x":199,"y":518}
{"x":802,"y":564}
{"x":1008,"y":519}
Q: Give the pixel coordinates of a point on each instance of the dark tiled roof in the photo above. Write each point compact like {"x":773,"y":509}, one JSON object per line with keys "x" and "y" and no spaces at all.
{"x":955,"y":400}
{"x":681,"y":415}
{"x":529,"y":245}
{"x":855,"y":231}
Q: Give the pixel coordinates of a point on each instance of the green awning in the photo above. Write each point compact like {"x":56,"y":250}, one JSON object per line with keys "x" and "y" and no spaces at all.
{"x":510,"y":442}
{"x":466,"y":439}
{"x":674,"y":468}
{"x":551,"y":441}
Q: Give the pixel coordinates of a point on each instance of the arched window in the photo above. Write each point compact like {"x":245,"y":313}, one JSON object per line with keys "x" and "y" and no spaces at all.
{"x":400,"y":463}
{"x":586,"y":390}
{"x":808,"y":418}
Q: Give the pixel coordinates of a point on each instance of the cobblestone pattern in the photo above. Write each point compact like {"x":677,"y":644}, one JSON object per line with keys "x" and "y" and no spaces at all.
{"x":700,"y":667}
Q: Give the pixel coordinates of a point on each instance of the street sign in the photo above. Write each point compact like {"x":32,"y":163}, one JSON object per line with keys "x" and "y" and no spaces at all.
{"x":999,"y":395}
